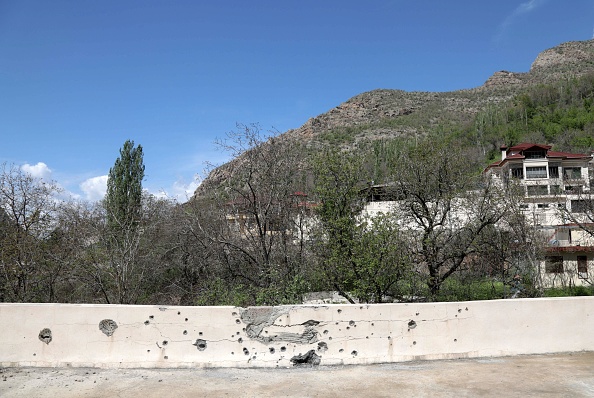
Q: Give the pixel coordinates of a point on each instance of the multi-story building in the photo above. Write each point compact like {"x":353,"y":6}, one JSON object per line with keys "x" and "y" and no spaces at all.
{"x":558,"y":188}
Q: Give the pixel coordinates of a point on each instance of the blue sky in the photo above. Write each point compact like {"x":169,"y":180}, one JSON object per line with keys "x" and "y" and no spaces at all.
{"x":78,"y":78}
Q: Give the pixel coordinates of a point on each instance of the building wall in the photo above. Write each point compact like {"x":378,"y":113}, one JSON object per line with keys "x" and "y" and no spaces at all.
{"x":570,"y":243}
{"x":373,"y":209}
{"x":570,"y":275}
{"x":170,"y":337}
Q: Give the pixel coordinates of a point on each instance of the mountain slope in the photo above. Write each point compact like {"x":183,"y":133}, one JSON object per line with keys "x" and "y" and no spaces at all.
{"x":388,"y":114}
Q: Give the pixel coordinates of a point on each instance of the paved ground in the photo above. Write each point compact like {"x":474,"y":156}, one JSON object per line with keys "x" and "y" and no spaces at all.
{"x":567,"y":375}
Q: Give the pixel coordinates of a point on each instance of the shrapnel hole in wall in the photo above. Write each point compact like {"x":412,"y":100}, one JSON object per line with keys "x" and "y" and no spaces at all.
{"x":108,"y":327}
{"x":200,"y":344}
{"x":45,"y":335}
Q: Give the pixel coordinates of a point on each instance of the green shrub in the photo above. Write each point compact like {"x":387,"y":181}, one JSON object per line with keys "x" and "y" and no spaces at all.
{"x":569,"y":291}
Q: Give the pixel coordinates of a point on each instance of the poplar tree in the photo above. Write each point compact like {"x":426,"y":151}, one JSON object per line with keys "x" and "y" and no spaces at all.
{"x":122,"y":273}
{"x":124,"y":188}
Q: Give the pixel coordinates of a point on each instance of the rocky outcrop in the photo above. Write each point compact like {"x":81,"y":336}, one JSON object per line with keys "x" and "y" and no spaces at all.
{"x":505,"y":78}
{"x":575,"y":54}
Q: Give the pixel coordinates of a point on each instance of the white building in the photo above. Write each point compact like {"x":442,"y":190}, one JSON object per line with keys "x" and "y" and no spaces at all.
{"x":556,"y":186}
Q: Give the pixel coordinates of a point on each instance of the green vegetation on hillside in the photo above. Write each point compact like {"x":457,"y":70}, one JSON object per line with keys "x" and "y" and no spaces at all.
{"x":560,"y":114}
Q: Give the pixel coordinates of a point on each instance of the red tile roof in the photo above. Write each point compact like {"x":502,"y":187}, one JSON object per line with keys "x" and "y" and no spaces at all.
{"x":527,"y":145}
{"x":515,"y":152}
{"x":555,"y":154}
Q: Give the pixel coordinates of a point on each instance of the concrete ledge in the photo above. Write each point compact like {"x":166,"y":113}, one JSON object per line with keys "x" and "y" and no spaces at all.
{"x":118,"y":336}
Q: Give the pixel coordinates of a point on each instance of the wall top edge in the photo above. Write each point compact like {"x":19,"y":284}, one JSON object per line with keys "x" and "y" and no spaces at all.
{"x":166,"y":307}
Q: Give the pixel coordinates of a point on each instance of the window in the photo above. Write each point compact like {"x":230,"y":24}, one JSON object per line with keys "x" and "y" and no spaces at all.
{"x":537,"y":190}
{"x":536,"y":172}
{"x":573,"y":189}
{"x":553,"y":171}
{"x":275,"y":224}
{"x":535,"y":154}
{"x":543,"y":205}
{"x":582,"y":263}
{"x":555,"y":189}
{"x":554,"y":264}
{"x":517,"y":172}
{"x":524,"y":207}
{"x":572,"y":173}
{"x":582,"y":206}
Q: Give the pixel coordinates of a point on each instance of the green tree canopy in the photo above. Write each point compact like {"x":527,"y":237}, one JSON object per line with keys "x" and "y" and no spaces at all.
{"x":124,"y":188}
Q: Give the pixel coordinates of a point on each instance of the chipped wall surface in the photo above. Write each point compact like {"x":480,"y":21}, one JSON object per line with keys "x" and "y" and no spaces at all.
{"x":163,"y":337}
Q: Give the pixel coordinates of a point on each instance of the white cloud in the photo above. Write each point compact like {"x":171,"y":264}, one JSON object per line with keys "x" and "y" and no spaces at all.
{"x":94,"y":188}
{"x":523,"y":8}
{"x":528,"y":6}
{"x":180,"y":190}
{"x":40,"y":170}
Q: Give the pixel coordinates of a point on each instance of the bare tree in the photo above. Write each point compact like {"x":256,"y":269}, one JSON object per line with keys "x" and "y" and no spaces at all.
{"x":257,"y":211}
{"x":105,"y":265}
{"x":581,"y":208}
{"x":446,"y":206}
{"x":27,"y":207}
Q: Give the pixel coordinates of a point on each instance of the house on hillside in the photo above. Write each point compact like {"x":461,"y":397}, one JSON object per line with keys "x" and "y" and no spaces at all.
{"x":378,"y":199}
{"x":252,"y":216}
{"x":558,"y":188}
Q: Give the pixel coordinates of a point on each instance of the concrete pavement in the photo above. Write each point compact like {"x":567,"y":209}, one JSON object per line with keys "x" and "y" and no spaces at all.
{"x":560,"y":375}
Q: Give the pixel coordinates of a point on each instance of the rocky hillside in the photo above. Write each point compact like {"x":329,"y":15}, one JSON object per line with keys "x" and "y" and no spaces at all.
{"x":386,"y":113}
{"x":374,"y":109}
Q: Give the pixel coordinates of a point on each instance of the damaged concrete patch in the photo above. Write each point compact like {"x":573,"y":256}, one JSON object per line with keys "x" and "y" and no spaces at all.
{"x":108,"y":326}
{"x":309,"y":359}
{"x":45,"y":335}
{"x":309,"y":335}
{"x":258,"y":318}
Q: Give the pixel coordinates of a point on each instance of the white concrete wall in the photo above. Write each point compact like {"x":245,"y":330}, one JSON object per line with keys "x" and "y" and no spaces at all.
{"x":148,"y":336}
